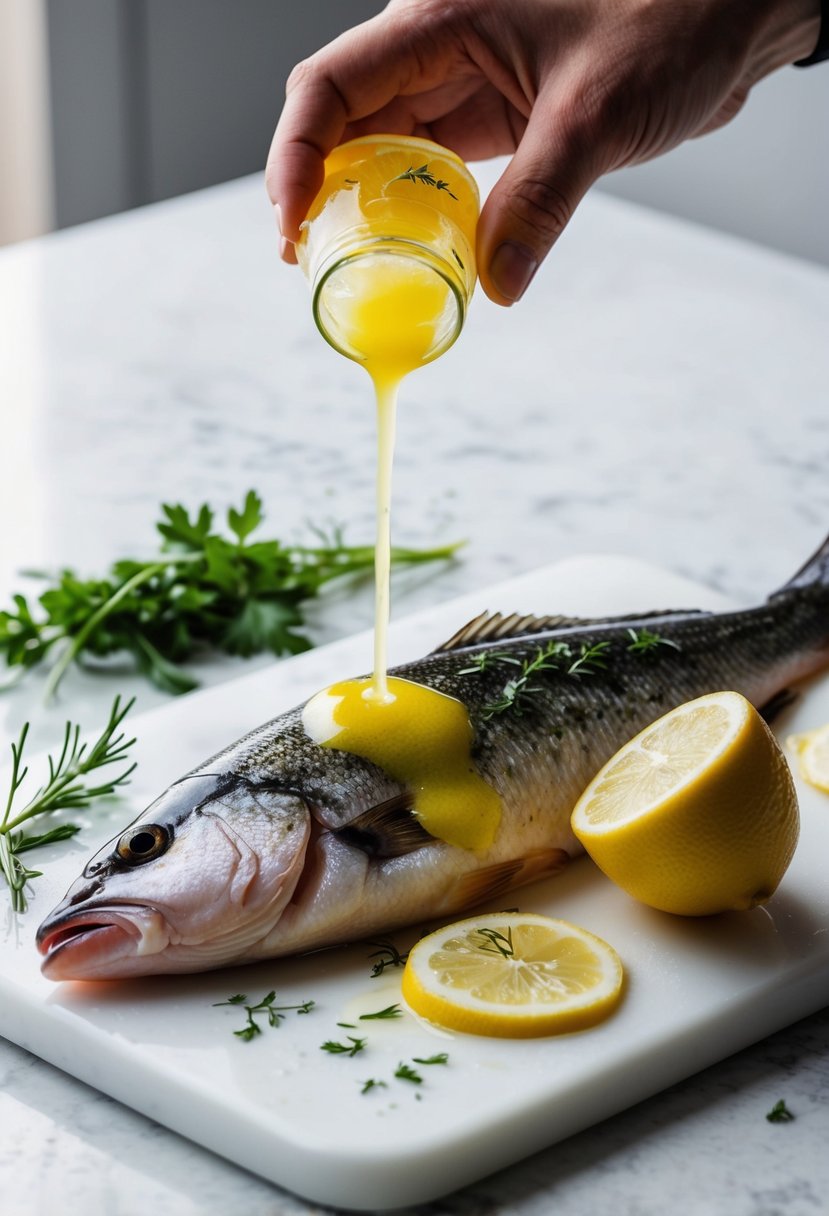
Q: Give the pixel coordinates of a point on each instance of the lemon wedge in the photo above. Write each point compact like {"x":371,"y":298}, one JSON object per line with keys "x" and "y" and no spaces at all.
{"x":515,"y":975}
{"x":812,"y":751}
{"x":697,"y":814}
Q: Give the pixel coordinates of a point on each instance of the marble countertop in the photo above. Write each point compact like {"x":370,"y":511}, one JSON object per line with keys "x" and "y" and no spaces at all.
{"x":661,"y":393}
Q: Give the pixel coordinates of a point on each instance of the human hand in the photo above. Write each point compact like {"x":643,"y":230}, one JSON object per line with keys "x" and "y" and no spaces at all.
{"x":573,"y":88}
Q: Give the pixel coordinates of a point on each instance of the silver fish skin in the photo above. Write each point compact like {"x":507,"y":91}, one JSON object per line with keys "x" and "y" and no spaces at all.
{"x":278,"y":845}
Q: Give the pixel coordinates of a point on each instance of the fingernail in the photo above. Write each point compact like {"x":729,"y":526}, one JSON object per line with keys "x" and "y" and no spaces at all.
{"x":278,"y":213}
{"x":511,"y":269}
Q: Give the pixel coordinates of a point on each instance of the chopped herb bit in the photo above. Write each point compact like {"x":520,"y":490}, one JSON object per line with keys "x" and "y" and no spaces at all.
{"x":372,"y":1084}
{"x":643,"y":640}
{"x":486,"y":660}
{"x":275,"y":1014}
{"x":64,"y":789}
{"x":591,"y":659}
{"x":348,"y":1025}
{"x":404,"y":1072}
{"x":441,"y":1058}
{"x":391,"y":1011}
{"x":428,"y":179}
{"x":499,"y":943}
{"x":387,"y":955}
{"x":780,"y":1113}
{"x":343,"y":1049}
{"x":457,"y":259}
{"x":207,"y":586}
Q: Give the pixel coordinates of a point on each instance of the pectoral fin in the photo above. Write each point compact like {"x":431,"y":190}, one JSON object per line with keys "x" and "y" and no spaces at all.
{"x":483,"y":885}
{"x":389,"y":829}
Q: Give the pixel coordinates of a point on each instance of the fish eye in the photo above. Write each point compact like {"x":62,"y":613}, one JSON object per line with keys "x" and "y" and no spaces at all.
{"x":142,"y":843}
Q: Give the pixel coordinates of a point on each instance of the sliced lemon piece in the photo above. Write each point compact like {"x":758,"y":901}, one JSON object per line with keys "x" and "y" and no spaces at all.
{"x":698,"y":814}
{"x":812,"y":750}
{"x":513,"y":975}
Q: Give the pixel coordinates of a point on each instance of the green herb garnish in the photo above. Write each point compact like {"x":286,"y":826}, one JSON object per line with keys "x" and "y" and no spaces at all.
{"x":65,"y":789}
{"x":367,"y":1086}
{"x":428,"y":179}
{"x":498,"y":943}
{"x":404,"y":1072}
{"x":643,"y":640}
{"x":387,"y":955}
{"x":780,"y":1113}
{"x":274,"y":1014}
{"x":204,"y":589}
{"x":343,"y":1049}
{"x":391,"y":1011}
{"x":518,"y":693}
{"x":441,"y":1058}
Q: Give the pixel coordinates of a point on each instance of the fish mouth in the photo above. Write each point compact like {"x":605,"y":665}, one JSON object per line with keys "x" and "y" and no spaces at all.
{"x":102,"y":942}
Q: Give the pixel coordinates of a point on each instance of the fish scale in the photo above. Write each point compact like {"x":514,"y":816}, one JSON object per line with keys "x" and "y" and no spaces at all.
{"x":312,"y":845}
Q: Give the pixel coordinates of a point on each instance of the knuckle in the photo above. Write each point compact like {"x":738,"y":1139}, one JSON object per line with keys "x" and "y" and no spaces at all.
{"x":299,"y":75}
{"x":542,"y":207}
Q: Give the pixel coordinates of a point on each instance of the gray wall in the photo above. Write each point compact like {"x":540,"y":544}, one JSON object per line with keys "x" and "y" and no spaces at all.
{"x":152,"y":98}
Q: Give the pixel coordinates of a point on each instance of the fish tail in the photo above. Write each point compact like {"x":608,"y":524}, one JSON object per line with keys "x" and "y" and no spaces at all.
{"x":814,"y":573}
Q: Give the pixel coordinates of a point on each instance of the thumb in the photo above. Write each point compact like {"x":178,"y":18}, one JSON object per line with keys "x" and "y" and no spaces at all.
{"x":532,"y":203}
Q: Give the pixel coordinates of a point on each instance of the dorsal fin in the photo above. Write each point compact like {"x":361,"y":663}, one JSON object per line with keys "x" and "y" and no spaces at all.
{"x":496,"y":627}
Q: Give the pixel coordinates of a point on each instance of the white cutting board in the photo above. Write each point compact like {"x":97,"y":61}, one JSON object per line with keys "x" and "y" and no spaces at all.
{"x":697,"y":990}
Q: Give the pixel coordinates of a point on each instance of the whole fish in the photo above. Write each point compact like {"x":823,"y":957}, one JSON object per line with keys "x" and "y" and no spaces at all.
{"x":278,"y":845}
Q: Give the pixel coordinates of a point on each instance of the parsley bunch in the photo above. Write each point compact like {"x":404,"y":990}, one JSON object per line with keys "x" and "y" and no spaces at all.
{"x":204,"y":590}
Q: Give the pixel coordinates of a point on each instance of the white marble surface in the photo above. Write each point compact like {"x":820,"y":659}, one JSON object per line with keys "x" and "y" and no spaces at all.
{"x":662,"y":392}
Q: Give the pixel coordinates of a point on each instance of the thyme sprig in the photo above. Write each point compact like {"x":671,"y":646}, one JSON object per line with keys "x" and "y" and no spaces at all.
{"x":64,"y":789}
{"x":274,"y":1014}
{"x":644,"y":640}
{"x":391,"y":1011}
{"x":428,"y":179}
{"x":343,"y":1049}
{"x":519,"y":693}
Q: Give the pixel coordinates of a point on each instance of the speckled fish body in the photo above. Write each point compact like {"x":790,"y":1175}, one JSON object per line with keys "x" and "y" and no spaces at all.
{"x":277,"y":845}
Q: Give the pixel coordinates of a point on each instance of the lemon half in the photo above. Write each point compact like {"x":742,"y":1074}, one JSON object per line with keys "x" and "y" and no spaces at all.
{"x":812,"y":751}
{"x":514,"y":975}
{"x":697,"y":814}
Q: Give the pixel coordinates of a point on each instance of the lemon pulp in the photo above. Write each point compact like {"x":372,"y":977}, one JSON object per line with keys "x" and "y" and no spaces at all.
{"x":513,"y":975}
{"x":697,"y":814}
{"x":812,"y":751}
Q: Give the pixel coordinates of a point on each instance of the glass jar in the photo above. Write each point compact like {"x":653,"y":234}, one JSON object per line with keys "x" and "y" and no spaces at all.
{"x":394,"y":221}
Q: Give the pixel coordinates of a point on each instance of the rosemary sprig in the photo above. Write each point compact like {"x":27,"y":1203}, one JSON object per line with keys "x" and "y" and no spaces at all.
{"x":518,"y":693}
{"x":64,"y":789}
{"x":342,"y":1049}
{"x":428,"y":179}
{"x":275,"y":1014}
{"x":391,"y":1011}
{"x":499,"y":943}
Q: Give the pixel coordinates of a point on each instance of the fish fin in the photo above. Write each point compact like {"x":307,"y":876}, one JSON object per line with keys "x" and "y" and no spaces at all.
{"x":496,"y":627}
{"x":485,"y":884}
{"x":389,"y":829}
{"x":775,"y":705}
{"x":814,"y":572}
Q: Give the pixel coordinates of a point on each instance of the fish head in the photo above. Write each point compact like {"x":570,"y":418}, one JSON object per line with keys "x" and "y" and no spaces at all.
{"x":192,"y":884}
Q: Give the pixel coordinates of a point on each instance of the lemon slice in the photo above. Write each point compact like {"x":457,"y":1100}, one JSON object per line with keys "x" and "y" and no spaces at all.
{"x":697,"y":814}
{"x":513,"y":975}
{"x":812,"y":750}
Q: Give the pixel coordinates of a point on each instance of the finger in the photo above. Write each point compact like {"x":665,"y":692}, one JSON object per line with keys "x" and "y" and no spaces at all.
{"x":532,"y":202}
{"x":357,"y":74}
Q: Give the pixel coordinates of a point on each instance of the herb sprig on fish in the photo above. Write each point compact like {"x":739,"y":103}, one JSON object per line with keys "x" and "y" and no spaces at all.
{"x":204,"y":589}
{"x":65,"y":788}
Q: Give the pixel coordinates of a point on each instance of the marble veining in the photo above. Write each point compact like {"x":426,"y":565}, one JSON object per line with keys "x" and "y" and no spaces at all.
{"x":662,"y":393}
